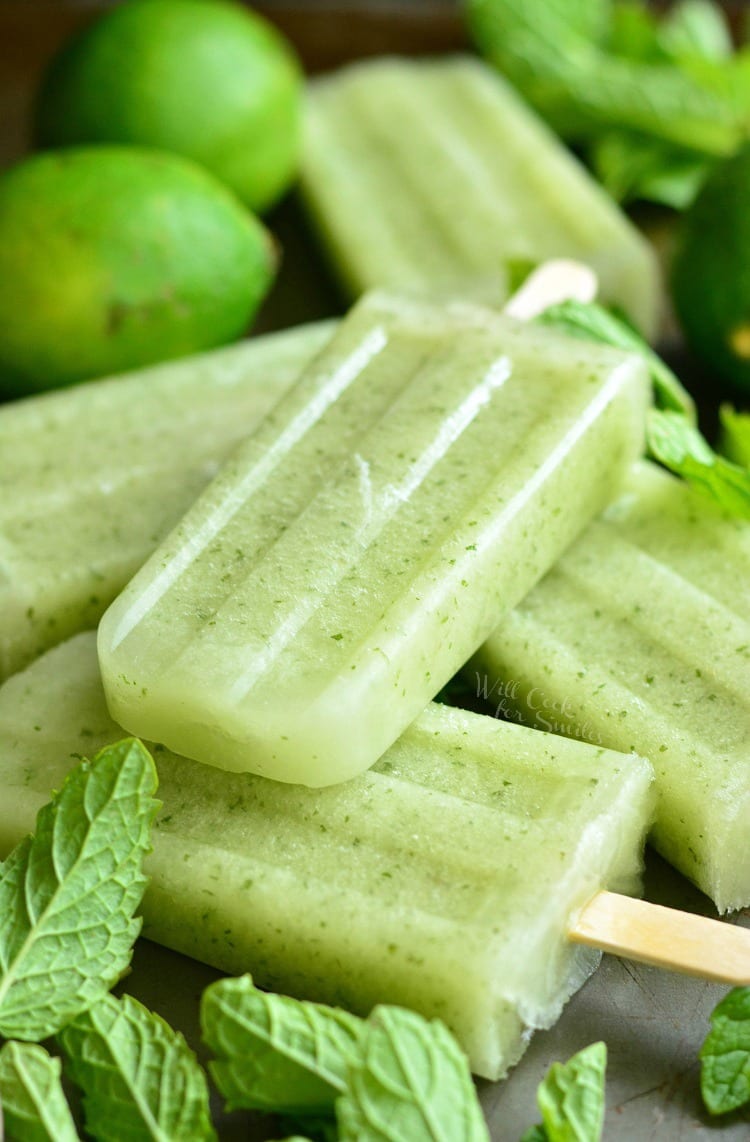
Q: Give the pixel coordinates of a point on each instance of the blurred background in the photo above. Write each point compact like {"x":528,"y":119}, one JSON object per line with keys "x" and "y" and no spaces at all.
{"x":325,"y":33}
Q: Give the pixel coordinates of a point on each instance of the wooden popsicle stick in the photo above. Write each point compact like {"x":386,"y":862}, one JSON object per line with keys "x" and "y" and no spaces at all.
{"x":665,"y":937}
{"x":560,"y":279}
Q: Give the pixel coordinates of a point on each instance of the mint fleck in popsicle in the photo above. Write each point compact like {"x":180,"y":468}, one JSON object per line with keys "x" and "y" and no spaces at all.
{"x":639,"y":639}
{"x":445,"y":879}
{"x":93,"y":477}
{"x":425,"y":471}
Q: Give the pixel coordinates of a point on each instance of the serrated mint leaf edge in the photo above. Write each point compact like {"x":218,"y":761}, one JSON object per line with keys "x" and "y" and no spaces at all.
{"x":679,"y":447}
{"x":554,"y":1093}
{"x":352,"y":1107}
{"x":716,"y":1097}
{"x":81,"y":776}
{"x":26,"y":1061}
{"x":222,"y":1001}
{"x":85,"y":1027}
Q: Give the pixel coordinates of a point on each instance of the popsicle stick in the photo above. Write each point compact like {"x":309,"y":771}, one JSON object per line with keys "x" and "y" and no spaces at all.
{"x":665,"y":937}
{"x":559,"y":279}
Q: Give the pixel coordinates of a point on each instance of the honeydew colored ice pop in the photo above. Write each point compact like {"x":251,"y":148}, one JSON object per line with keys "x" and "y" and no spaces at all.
{"x":639,"y":638}
{"x":445,"y":879}
{"x":434,"y":175}
{"x":425,"y":471}
{"x":93,"y":477}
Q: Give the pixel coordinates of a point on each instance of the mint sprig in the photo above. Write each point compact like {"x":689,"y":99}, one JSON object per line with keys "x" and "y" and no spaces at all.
{"x":633,"y":166}
{"x":725,"y":1055}
{"x":140,"y":1080}
{"x":391,"y":1077}
{"x":652,"y":101}
{"x":681,"y":448}
{"x":562,"y":63}
{"x":672,"y":437}
{"x":34,"y":1107}
{"x":571,"y":1099}
{"x":591,"y":322}
{"x":68,"y":893}
{"x":275,"y":1053}
{"x":409,"y":1079}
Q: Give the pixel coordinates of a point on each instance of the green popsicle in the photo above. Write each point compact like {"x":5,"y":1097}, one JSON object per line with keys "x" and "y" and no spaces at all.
{"x":445,"y":879}
{"x":639,"y":638}
{"x":434,"y":175}
{"x":421,"y":476}
{"x":91,"y":478}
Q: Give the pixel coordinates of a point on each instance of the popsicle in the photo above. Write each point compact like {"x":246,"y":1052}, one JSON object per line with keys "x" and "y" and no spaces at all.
{"x":424,"y":472}
{"x":434,"y":175}
{"x":639,"y":638}
{"x":91,"y":478}
{"x":444,"y":879}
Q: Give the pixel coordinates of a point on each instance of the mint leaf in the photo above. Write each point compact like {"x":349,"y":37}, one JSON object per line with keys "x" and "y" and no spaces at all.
{"x":68,"y":893}
{"x":695,"y":29}
{"x":275,"y":1053}
{"x":571,"y":1097}
{"x":634,"y":32}
{"x":582,"y":89}
{"x":592,"y":322}
{"x":312,"y":1129}
{"x":735,"y":435}
{"x":680,"y":447}
{"x":411,"y":1080}
{"x":140,"y":1080}
{"x":632,"y":166}
{"x":33,"y":1104}
{"x":728,"y":80}
{"x":535,"y":1134}
{"x":672,"y":437}
{"x":725,"y":1055}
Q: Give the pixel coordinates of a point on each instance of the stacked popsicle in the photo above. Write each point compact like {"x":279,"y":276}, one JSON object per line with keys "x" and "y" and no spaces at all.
{"x":430,"y":465}
{"x":429,"y":175}
{"x":639,"y":638}
{"x":92,"y":478}
{"x":356,"y":549}
{"x":444,"y":839}
{"x":444,"y":879}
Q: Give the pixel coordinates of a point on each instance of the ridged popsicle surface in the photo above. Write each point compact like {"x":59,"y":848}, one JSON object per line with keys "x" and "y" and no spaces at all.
{"x":434,"y":175}
{"x":93,"y":477}
{"x":444,"y":879}
{"x":639,"y":638}
{"x":413,"y":486}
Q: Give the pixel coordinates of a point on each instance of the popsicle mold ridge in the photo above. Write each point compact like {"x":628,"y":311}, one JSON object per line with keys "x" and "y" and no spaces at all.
{"x":414,"y":484}
{"x":444,"y":879}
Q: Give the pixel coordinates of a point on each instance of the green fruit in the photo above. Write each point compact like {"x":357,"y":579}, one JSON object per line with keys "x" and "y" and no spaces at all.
{"x":112,"y":258}
{"x":205,"y":78}
{"x":711,"y":271}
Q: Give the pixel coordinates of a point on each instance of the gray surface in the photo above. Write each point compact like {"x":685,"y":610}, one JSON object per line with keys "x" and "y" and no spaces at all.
{"x":653,"y":1023}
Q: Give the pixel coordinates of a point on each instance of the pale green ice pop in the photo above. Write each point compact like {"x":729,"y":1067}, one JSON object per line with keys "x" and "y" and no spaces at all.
{"x":639,"y":638}
{"x":445,"y":879}
{"x":93,"y":477}
{"x":426,"y":470}
{"x":434,"y":175}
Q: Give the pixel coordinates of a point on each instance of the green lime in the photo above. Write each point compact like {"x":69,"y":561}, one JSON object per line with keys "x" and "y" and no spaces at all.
{"x":205,"y":78}
{"x":113,"y":257}
{"x":711,"y":271}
